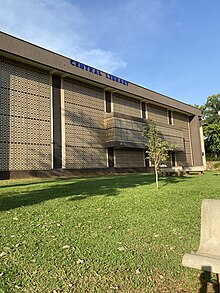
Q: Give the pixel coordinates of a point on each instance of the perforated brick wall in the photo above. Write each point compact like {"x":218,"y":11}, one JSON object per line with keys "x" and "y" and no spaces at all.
{"x":172,"y":135}
{"x":179,"y":138}
{"x":183,"y":158}
{"x":84,"y":126}
{"x":157,"y":114}
{"x":25,"y":123}
{"x":126,"y":158}
{"x":125,"y":130}
{"x":24,"y":117}
{"x":125,"y":105}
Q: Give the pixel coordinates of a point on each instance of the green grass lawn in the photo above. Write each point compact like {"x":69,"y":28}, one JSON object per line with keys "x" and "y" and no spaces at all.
{"x":101,"y":234}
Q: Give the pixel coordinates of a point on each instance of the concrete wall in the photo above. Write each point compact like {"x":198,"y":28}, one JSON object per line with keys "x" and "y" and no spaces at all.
{"x":196,"y":147}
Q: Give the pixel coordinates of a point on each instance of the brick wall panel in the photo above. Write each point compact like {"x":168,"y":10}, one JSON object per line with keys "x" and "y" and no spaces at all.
{"x":129,"y":158}
{"x":84,"y":126}
{"x":126,"y":105}
{"x":25,"y":116}
{"x":157,"y":114}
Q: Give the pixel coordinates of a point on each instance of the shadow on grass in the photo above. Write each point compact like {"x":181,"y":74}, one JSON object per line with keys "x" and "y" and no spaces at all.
{"x":165,"y":180}
{"x":26,"y":194}
{"x":32,"y":181}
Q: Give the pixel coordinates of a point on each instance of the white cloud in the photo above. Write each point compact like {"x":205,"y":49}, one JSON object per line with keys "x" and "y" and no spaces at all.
{"x":59,"y":26}
{"x":149,"y":13}
{"x":104,"y":60}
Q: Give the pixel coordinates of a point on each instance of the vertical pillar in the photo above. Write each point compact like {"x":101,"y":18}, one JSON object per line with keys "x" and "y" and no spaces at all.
{"x":202,"y":145}
{"x":195,"y":140}
{"x":63,"y":132}
{"x":57,"y":131}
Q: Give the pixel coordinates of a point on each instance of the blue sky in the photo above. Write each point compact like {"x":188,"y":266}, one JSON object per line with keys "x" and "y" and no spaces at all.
{"x":169,"y":46}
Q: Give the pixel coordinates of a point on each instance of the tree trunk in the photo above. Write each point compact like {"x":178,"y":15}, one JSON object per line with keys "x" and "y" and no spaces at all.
{"x":156,"y":176}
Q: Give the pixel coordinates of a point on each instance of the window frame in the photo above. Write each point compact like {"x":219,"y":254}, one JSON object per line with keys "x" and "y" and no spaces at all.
{"x":144,"y":112}
{"x":108,"y":101}
{"x":170,"y":117}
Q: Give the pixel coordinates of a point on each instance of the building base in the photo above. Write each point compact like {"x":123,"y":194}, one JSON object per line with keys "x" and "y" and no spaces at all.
{"x":6,"y":175}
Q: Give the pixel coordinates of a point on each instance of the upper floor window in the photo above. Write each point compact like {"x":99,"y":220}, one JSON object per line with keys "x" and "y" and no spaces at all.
{"x":170,"y":117}
{"x":108,"y":102}
{"x":143,"y":110}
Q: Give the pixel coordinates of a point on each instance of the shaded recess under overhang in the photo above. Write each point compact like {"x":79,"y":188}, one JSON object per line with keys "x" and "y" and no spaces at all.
{"x":124,"y":144}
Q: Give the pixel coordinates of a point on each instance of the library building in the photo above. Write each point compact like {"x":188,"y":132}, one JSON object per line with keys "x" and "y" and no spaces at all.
{"x":59,"y":117}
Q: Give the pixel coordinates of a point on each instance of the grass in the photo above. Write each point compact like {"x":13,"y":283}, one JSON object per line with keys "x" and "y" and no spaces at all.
{"x":101,"y":234}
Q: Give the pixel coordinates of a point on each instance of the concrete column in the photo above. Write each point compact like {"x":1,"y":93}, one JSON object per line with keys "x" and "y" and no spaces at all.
{"x":202,"y":145}
{"x":195,"y":140}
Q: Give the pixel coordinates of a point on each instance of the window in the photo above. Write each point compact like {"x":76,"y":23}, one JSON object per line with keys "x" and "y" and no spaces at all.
{"x":108,"y":102}
{"x":110,"y":157}
{"x":170,"y":117}
{"x":146,"y":158}
{"x":143,"y":110}
{"x":173,"y":159}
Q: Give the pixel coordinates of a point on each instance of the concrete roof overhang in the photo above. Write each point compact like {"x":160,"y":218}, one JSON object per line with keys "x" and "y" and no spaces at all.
{"x":54,"y":63}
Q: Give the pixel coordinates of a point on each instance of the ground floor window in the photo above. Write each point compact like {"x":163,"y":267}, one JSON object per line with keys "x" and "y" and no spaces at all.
{"x":147,"y":162}
{"x":110,"y":157}
{"x":173,"y":159}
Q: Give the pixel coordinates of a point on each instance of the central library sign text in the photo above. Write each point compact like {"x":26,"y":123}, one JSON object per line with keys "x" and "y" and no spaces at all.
{"x":98,"y":72}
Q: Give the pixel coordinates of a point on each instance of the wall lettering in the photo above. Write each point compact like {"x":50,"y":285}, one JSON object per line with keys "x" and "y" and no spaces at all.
{"x":98,"y":72}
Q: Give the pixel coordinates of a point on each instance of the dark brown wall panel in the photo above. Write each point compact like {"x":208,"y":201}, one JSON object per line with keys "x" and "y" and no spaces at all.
{"x":57,"y":132}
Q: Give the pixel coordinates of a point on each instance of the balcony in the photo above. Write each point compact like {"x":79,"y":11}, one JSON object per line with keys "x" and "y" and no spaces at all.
{"x":123,"y":131}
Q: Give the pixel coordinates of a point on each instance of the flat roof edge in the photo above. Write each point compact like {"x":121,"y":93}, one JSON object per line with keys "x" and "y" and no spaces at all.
{"x":28,"y":51}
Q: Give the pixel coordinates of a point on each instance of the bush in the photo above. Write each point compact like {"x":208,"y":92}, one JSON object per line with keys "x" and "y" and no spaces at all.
{"x":217,"y":165}
{"x":214,"y":159}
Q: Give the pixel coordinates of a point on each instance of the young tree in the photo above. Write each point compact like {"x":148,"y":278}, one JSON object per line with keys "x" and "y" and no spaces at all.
{"x":157,"y":148}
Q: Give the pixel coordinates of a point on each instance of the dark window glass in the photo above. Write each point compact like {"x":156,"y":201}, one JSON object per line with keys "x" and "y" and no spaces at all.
{"x":110,"y":157}
{"x":147,"y":163}
{"x":143,"y":107}
{"x":170,"y":117}
{"x":108,"y":102}
{"x":173,"y":159}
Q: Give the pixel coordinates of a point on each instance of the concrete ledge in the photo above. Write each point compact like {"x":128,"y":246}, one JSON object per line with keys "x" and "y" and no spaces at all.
{"x":199,"y":169}
{"x":172,"y":170}
{"x":179,"y":170}
{"x":207,"y":258}
{"x":202,"y":262}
